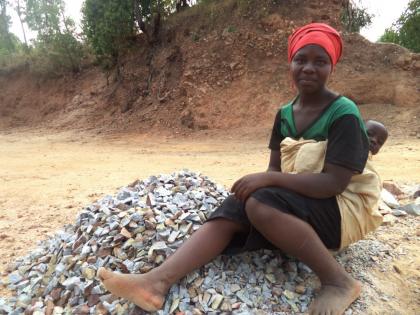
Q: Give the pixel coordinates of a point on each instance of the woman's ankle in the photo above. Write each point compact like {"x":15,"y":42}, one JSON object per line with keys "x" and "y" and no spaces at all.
{"x":161,"y":279}
{"x":341,"y":279}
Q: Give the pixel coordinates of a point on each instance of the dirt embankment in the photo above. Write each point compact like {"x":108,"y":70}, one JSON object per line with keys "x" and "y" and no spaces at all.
{"x":216,"y":67}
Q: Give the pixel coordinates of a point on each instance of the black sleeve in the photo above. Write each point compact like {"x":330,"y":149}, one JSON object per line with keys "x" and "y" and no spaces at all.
{"x":276,"y":136}
{"x":348,"y":145}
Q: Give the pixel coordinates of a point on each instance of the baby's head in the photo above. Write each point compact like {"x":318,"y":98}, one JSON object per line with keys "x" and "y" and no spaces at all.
{"x":377,"y":135}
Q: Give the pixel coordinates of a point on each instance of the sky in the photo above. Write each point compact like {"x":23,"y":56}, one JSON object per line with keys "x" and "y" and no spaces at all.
{"x":385,"y":13}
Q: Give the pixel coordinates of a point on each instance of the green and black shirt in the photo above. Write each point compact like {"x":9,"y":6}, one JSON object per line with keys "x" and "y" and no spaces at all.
{"x":340,"y":123}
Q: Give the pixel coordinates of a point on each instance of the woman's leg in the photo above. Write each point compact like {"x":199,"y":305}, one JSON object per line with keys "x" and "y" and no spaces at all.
{"x":148,"y":290}
{"x":298,"y":238}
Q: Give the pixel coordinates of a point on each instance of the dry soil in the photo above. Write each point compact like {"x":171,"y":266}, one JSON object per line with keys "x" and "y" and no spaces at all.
{"x":46,"y":178}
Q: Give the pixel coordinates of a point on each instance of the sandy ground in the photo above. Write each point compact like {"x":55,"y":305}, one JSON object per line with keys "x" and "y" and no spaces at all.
{"x":46,"y":178}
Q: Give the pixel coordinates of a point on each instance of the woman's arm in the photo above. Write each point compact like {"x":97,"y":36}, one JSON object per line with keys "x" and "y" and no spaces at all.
{"x":274,"y":164}
{"x":331,"y":182}
{"x":346,"y":155}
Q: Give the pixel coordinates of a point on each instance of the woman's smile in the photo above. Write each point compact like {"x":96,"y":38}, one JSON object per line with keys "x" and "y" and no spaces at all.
{"x":307,"y":81}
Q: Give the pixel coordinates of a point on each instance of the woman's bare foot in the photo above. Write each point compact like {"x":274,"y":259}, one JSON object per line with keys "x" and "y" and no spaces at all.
{"x":146,"y":293}
{"x":335,"y":299}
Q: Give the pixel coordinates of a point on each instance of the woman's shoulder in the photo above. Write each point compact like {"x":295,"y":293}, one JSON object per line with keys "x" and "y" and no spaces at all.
{"x":285,"y":110}
{"x":344,"y":106}
{"x":288,"y":105}
{"x":344,"y":102}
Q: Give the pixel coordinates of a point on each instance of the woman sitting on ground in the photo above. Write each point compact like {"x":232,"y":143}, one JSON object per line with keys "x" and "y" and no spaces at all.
{"x":304,"y":214}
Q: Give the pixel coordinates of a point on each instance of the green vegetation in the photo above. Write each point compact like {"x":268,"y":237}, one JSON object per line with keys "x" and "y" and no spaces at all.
{"x":10,"y":46}
{"x":8,"y":42}
{"x":55,"y":50}
{"x":231,"y":29}
{"x":406,"y":30}
{"x":354,"y":17}
{"x":107,"y":24}
{"x":56,"y":40}
{"x":195,"y":37}
{"x":110,"y":24}
{"x":110,"y":27}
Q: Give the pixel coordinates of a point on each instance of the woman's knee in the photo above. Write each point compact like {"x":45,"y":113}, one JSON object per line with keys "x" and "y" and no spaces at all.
{"x":257,"y":212}
{"x":226,"y":225}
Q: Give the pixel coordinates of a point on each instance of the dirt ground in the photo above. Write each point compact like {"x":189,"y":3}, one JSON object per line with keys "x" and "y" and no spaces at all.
{"x":46,"y":178}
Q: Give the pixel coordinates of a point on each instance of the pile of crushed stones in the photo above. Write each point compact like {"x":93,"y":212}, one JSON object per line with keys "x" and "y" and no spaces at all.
{"x":135,"y":230}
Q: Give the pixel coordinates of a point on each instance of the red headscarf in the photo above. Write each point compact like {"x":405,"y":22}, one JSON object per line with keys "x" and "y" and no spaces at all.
{"x":319,"y":34}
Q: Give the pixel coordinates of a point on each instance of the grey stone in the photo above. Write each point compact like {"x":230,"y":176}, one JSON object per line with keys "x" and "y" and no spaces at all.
{"x":412,"y":209}
{"x":15,"y":277}
{"x":389,"y":199}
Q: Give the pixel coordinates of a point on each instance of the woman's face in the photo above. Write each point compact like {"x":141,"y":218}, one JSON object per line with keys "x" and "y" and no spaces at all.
{"x":310,"y":68}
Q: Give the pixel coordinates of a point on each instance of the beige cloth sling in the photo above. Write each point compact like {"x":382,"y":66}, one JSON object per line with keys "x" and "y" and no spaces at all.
{"x":358,"y":203}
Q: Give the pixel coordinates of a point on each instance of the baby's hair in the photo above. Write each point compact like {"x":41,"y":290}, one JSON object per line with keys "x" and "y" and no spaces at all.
{"x":370,"y":119}
{"x":374,"y":121}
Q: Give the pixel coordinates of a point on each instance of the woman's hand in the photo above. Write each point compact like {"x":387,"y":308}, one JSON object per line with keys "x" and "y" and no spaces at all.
{"x":246,"y":185}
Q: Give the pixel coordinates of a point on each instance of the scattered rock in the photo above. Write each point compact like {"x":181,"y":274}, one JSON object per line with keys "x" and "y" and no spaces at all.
{"x":389,"y":199}
{"x":392,"y":188}
{"x":399,"y":213}
{"x":397,"y":269}
{"x":300,"y":289}
{"x":404,"y":61}
{"x":383,"y":208}
{"x":416,"y":65}
{"x":389,"y":219}
{"x":412,"y":208}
